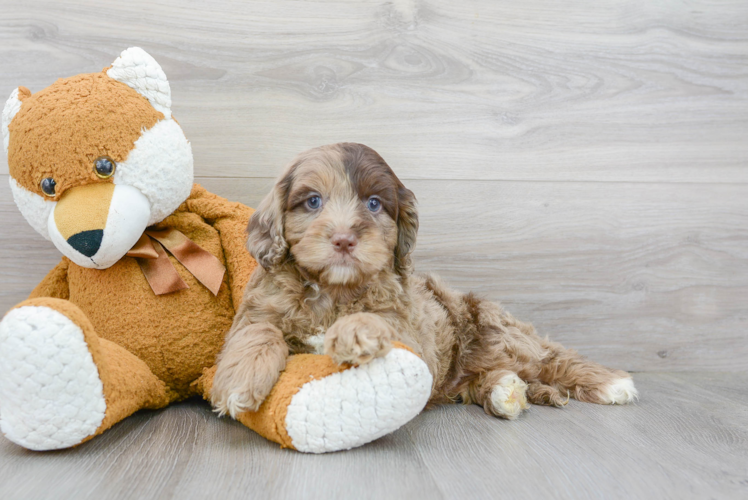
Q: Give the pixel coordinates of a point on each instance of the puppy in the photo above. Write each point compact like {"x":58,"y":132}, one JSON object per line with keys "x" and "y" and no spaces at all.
{"x":334,"y":240}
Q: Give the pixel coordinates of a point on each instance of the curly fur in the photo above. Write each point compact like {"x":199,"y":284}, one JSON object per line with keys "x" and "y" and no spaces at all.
{"x":363,"y":300}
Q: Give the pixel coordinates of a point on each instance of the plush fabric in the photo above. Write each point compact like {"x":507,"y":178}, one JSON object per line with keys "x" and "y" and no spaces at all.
{"x":118,"y":212}
{"x":34,"y":208}
{"x":162,"y":156}
{"x":12,"y":106}
{"x":45,"y":352}
{"x":71,"y":123}
{"x":229,"y":219}
{"x":138,"y":70}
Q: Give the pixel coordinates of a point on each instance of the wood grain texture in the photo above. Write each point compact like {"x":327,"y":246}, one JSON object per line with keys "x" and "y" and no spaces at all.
{"x":636,"y":276}
{"x":686,"y":438}
{"x":545,"y":90}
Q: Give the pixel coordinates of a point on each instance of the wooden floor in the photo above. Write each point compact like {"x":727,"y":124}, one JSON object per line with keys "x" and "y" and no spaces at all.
{"x":686,"y":438}
{"x":584,"y":162}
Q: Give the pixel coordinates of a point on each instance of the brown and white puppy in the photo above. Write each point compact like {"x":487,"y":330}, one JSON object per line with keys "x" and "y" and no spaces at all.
{"x":334,"y":240}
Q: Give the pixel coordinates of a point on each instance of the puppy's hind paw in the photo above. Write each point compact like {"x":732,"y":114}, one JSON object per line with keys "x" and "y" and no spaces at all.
{"x":619,"y":392}
{"x":546,"y":395}
{"x":508,"y":398}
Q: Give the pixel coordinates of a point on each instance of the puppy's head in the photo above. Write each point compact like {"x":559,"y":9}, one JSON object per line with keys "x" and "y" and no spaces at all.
{"x":340,"y":212}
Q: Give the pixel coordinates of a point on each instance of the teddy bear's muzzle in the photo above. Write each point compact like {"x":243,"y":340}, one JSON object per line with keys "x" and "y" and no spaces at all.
{"x":95,"y":225}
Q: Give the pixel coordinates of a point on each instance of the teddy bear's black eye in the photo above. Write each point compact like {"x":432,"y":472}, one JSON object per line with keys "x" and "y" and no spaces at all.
{"x":48,"y":186}
{"x":104,"y":167}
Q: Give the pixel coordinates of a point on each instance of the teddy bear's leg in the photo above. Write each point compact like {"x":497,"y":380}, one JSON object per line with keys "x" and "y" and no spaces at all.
{"x":319,"y":406}
{"x":60,"y":384}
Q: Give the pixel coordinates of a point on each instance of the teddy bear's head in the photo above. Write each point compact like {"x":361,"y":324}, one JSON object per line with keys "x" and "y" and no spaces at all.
{"x":96,"y":158}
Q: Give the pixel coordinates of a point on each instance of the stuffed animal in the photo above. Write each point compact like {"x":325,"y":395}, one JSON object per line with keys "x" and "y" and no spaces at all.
{"x":153,"y":269}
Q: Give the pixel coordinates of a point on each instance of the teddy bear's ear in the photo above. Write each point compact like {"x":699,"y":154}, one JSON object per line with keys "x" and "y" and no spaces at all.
{"x":12,"y":106}
{"x":137,"y":69}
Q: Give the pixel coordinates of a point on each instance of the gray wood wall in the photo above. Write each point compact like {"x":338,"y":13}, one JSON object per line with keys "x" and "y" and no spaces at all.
{"x":586,"y":166}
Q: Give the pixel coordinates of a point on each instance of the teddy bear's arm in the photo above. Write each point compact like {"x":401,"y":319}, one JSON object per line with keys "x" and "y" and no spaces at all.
{"x":55,"y":283}
{"x":230,"y":219}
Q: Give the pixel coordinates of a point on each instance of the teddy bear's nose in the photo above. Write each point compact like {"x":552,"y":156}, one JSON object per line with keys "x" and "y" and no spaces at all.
{"x":87,"y":242}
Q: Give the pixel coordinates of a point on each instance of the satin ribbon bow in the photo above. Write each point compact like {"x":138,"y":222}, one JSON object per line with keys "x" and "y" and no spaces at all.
{"x":161,"y":274}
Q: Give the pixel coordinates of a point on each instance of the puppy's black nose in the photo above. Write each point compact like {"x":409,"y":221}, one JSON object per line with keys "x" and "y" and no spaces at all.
{"x":344,"y":242}
{"x":87,"y":242}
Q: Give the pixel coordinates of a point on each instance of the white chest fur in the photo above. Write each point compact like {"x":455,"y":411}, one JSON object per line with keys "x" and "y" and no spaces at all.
{"x":317,"y":343}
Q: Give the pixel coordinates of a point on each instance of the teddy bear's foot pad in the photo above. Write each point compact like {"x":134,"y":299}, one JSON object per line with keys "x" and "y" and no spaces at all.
{"x":357,"y":406}
{"x":51,"y":396}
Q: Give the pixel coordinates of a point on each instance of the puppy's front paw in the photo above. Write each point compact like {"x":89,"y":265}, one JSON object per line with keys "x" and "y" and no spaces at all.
{"x":246,"y":396}
{"x":247,"y":369}
{"x":358,"y":338}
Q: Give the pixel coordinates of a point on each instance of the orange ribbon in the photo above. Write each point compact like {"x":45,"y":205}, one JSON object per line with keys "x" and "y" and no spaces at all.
{"x":161,"y":274}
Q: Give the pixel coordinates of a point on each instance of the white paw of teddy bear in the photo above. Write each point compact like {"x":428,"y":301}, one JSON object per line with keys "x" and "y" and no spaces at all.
{"x":51,"y":396}
{"x":356,"y":406}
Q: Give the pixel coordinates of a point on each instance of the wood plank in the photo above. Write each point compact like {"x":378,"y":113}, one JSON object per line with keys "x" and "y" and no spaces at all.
{"x":638,"y":276}
{"x":686,"y":438}
{"x":643,"y":91}
{"x":185,"y":451}
{"x":389,"y":468}
{"x":673,"y":444}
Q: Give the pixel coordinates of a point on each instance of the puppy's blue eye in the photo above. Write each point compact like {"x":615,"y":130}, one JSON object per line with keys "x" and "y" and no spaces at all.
{"x":314,"y":202}
{"x":374,"y":204}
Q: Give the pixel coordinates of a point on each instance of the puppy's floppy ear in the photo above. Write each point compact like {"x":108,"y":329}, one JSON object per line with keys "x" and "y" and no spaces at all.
{"x":407,"y":229}
{"x":265,"y":240}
